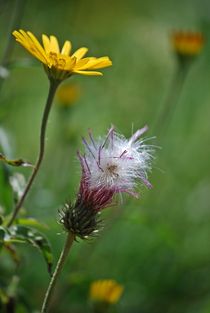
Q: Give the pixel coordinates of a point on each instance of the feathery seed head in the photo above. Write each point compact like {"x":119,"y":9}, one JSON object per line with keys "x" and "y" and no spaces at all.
{"x":110,"y":165}
{"x":116,"y":163}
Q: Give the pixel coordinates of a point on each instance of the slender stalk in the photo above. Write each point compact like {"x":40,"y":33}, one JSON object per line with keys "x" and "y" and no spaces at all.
{"x":173,"y":97}
{"x":53,"y":87}
{"x":58,"y":269}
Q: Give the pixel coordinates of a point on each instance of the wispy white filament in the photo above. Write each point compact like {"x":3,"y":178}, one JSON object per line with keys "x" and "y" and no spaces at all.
{"x":115,"y":162}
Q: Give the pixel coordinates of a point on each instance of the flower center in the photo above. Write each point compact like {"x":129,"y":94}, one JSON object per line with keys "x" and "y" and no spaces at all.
{"x":57,"y":61}
{"x":111,"y":169}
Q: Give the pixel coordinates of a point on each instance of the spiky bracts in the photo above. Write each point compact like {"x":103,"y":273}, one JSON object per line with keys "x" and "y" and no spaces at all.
{"x":82,"y":221}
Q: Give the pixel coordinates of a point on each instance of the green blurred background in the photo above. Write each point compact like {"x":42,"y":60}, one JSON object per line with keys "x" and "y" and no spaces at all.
{"x":157,"y":246}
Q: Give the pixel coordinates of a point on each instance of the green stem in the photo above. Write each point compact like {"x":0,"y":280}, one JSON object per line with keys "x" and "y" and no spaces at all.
{"x":173,"y":97}
{"x":53,"y":87}
{"x":58,"y":269}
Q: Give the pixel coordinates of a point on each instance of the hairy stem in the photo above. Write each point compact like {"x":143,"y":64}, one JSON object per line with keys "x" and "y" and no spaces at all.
{"x":52,"y":90}
{"x":58,"y":269}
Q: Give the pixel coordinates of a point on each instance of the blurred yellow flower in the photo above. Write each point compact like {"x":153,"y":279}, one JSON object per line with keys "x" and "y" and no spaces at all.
{"x":68,"y":94}
{"x":60,"y":64}
{"x":108,"y":291}
{"x":187,"y":43}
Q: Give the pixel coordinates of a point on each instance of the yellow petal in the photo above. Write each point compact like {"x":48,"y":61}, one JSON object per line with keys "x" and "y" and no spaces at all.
{"x":86,"y":63}
{"x":66,"y":48}
{"x":80,"y":53}
{"x":16,"y":34}
{"x":100,"y":63}
{"x":38,"y":47}
{"x":46,"y":43}
{"x":70,"y":64}
{"x":21,"y":36}
{"x":30,"y":43}
{"x":88,"y":73}
{"x":82,"y":64}
{"x":36,"y":42}
{"x":54,"y":47}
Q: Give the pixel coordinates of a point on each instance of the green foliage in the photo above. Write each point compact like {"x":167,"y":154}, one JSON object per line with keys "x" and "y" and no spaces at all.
{"x":158,"y":246}
{"x":2,"y":236}
{"x":23,"y":234}
{"x":16,"y":162}
{"x":20,"y":233}
{"x":6,"y":199}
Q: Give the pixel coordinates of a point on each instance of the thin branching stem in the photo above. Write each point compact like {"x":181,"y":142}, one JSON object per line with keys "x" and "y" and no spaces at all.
{"x":53,"y":87}
{"x":58,"y":269}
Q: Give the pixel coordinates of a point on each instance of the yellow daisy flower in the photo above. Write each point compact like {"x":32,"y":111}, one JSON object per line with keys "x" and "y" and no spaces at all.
{"x":60,"y":64}
{"x":107,"y":290}
{"x":187,"y":43}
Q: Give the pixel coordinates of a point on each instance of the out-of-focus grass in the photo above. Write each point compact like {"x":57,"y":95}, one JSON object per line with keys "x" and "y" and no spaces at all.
{"x":158,"y":247}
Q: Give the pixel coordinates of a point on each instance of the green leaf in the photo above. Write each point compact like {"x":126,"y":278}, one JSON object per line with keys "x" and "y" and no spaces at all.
{"x":7,"y":244}
{"x":35,"y":238}
{"x":6,"y":196}
{"x":16,"y":162}
{"x":11,"y":250}
{"x":30,"y":221}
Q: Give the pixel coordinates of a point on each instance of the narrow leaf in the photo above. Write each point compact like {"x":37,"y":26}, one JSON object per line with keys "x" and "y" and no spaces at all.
{"x":30,"y":221}
{"x":16,"y":162}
